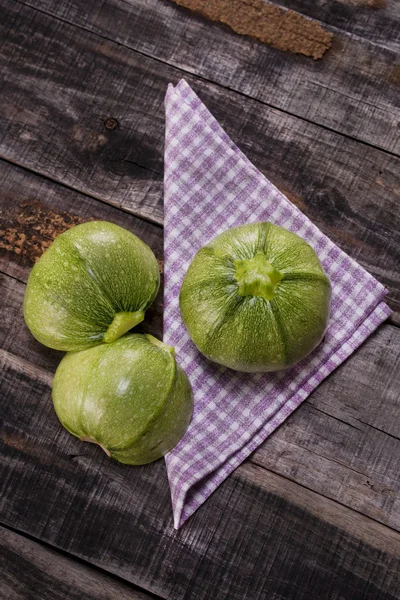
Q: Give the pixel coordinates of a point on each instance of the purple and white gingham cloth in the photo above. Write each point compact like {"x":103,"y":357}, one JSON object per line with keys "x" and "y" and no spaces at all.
{"x":209,"y":186}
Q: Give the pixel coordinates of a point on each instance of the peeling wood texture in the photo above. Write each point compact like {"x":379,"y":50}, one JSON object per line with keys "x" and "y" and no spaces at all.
{"x":375,"y":20}
{"x":314,"y":513}
{"x":34,"y":210}
{"x":30,"y":231}
{"x":285,"y":30}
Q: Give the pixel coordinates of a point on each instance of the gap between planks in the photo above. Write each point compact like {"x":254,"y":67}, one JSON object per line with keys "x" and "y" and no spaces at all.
{"x":63,"y":562}
{"x":117,"y":205}
{"x":394,"y":319}
{"x":215,"y":82}
{"x":371,"y":535}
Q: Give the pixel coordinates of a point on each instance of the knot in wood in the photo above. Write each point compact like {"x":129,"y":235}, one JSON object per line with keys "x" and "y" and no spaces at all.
{"x":111,"y":124}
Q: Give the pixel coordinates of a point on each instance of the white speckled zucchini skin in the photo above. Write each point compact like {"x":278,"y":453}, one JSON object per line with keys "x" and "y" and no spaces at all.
{"x":129,"y":396}
{"x":89,"y":274}
{"x":250,"y":333}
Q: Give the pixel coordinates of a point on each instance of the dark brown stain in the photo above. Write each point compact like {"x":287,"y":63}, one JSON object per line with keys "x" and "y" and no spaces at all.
{"x":394,"y":189}
{"x":294,"y":198}
{"x":282,"y":29}
{"x":38,"y":452}
{"x":341,"y":236}
{"x":14,"y":441}
{"x":32,"y":229}
{"x":395,"y":76}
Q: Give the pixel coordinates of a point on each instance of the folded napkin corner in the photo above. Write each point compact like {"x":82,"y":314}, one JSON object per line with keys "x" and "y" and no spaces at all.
{"x":209,"y":186}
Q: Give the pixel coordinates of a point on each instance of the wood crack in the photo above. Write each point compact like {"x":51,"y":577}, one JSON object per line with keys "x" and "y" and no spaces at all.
{"x":125,"y":209}
{"x":395,"y":437}
{"x":332,"y":416}
{"x":334,"y":501}
{"x":133,"y":162}
{"x":81,"y":561}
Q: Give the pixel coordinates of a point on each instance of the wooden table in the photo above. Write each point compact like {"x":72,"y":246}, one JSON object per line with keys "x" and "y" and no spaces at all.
{"x":315,"y":512}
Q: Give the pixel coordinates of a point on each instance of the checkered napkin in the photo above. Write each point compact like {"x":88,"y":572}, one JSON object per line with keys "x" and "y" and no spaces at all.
{"x":210,"y":186}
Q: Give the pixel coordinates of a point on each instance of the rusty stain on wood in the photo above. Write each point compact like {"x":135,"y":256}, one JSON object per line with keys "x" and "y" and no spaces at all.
{"x":282,"y":29}
{"x":293,"y":197}
{"x":342,"y":236}
{"x":29,"y":232}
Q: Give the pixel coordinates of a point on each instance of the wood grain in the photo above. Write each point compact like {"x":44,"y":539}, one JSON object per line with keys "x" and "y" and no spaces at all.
{"x":33,"y":210}
{"x":337,"y":432}
{"x":29,"y":570}
{"x":352,"y":90}
{"x":258,"y":536}
{"x":282,"y":29}
{"x":343,"y":442}
{"x":376,"y":20}
{"x":349,"y":190}
{"x":314,"y":513}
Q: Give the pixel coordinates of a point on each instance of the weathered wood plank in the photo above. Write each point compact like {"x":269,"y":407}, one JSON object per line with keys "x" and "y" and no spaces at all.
{"x":349,"y":190}
{"x":60,"y":123}
{"x":13,"y":332}
{"x":352,"y":90}
{"x":345,"y":447}
{"x":258,"y":536}
{"x":344,"y":441}
{"x":31,"y":570}
{"x":33,"y":210}
{"x":376,"y":20}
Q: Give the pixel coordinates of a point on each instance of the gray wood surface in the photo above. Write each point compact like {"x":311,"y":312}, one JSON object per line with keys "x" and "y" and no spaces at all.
{"x":376,"y":20}
{"x":344,"y":441}
{"x":348,"y":427}
{"x":314,"y":513}
{"x":348,"y":189}
{"x":258,"y":536}
{"x":353,"y":89}
{"x":29,"y":570}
